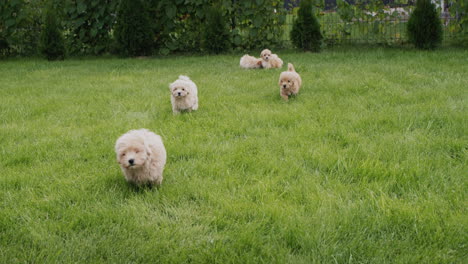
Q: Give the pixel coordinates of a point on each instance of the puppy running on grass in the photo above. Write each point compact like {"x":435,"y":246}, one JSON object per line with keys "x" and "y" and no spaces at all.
{"x":184,"y":95}
{"x":142,"y":157}
{"x":289,"y":82}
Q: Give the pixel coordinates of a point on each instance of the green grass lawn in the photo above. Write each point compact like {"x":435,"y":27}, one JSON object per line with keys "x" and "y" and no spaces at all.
{"x":368,"y":164}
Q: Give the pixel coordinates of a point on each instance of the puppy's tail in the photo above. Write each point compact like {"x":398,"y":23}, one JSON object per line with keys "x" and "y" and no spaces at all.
{"x":183,"y":77}
{"x":291,"y":67}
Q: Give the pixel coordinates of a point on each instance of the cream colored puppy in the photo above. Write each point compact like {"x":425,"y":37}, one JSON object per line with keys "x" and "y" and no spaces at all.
{"x":250,"y":62}
{"x":289,"y":82}
{"x":142,"y":156}
{"x":184,"y":95}
{"x":270,"y":60}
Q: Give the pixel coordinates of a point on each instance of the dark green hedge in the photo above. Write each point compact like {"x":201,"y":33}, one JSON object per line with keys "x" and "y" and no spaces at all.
{"x":51,"y":43}
{"x":424,"y":26}
{"x":306,"y":33}
{"x":133,"y":33}
{"x":88,"y":25}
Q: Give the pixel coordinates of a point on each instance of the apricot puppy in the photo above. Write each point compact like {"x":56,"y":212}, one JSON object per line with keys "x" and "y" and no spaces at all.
{"x":142,"y":156}
{"x":250,"y":62}
{"x":184,"y":95}
{"x":270,"y":60}
{"x":289,"y":82}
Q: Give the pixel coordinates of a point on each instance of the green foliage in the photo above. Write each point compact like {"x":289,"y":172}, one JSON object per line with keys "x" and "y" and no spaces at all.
{"x":20,"y":23}
{"x":52,"y":45}
{"x":178,"y":24}
{"x":88,"y":25}
{"x":459,"y":10}
{"x":133,"y":33}
{"x":216,"y":34}
{"x":424,"y":26}
{"x":256,"y":24}
{"x":345,"y":10}
{"x":9,"y":11}
{"x":366,"y":20}
{"x":305,"y":33}
{"x":252,"y":24}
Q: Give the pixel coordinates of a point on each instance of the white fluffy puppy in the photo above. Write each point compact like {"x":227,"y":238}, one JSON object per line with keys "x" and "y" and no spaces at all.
{"x":289,"y":82}
{"x":270,"y":60}
{"x":183,"y":95}
{"x":142,"y":156}
{"x":250,"y":62}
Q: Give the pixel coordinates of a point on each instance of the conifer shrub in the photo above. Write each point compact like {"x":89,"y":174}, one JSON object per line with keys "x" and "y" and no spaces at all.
{"x":216,"y":36}
{"x":424,"y":26}
{"x":133,"y":32}
{"x":51,"y":42}
{"x":305,"y":33}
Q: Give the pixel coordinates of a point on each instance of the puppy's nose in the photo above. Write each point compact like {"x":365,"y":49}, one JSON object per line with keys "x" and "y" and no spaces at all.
{"x":131,"y":161}
{"x":284,"y":85}
{"x":178,"y":94}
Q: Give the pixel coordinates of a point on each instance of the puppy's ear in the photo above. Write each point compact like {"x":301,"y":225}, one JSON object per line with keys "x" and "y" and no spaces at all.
{"x":119,"y":145}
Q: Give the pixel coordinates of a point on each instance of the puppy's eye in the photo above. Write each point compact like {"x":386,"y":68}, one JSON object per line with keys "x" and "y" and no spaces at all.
{"x":137,"y":151}
{"x":289,"y":81}
{"x":183,"y":89}
{"x":123,"y":155}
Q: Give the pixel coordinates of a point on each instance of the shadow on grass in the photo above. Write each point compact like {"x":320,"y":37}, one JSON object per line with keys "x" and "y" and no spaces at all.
{"x":118,"y":182}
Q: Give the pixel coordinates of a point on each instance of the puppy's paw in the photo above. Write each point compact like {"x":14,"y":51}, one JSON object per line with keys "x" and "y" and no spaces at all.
{"x":157,"y":182}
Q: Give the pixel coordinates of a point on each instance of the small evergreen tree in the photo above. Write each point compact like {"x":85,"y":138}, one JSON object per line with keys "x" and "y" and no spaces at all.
{"x":424,"y":26}
{"x":305,"y":33}
{"x":216,"y":34}
{"x":51,"y":43}
{"x":133,"y":33}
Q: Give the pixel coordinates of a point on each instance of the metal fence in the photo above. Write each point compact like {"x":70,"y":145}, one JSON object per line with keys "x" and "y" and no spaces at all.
{"x":372,"y":29}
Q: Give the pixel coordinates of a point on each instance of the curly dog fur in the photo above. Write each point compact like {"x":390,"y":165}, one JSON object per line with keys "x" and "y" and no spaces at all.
{"x":142,"y":156}
{"x":289,"y":82}
{"x":270,"y":60}
{"x":184,"y":95}
{"x":250,"y":62}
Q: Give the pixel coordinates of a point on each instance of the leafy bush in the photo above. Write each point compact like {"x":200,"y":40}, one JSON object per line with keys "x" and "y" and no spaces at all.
{"x":256,"y":24}
{"x":216,"y":33}
{"x":88,"y":25}
{"x":133,"y":33}
{"x":8,"y":22}
{"x":252,"y":24}
{"x":459,"y":10}
{"x":305,"y":33}
{"x":20,"y":23}
{"x":177,"y":24}
{"x":52,"y":45}
{"x":424,"y":26}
